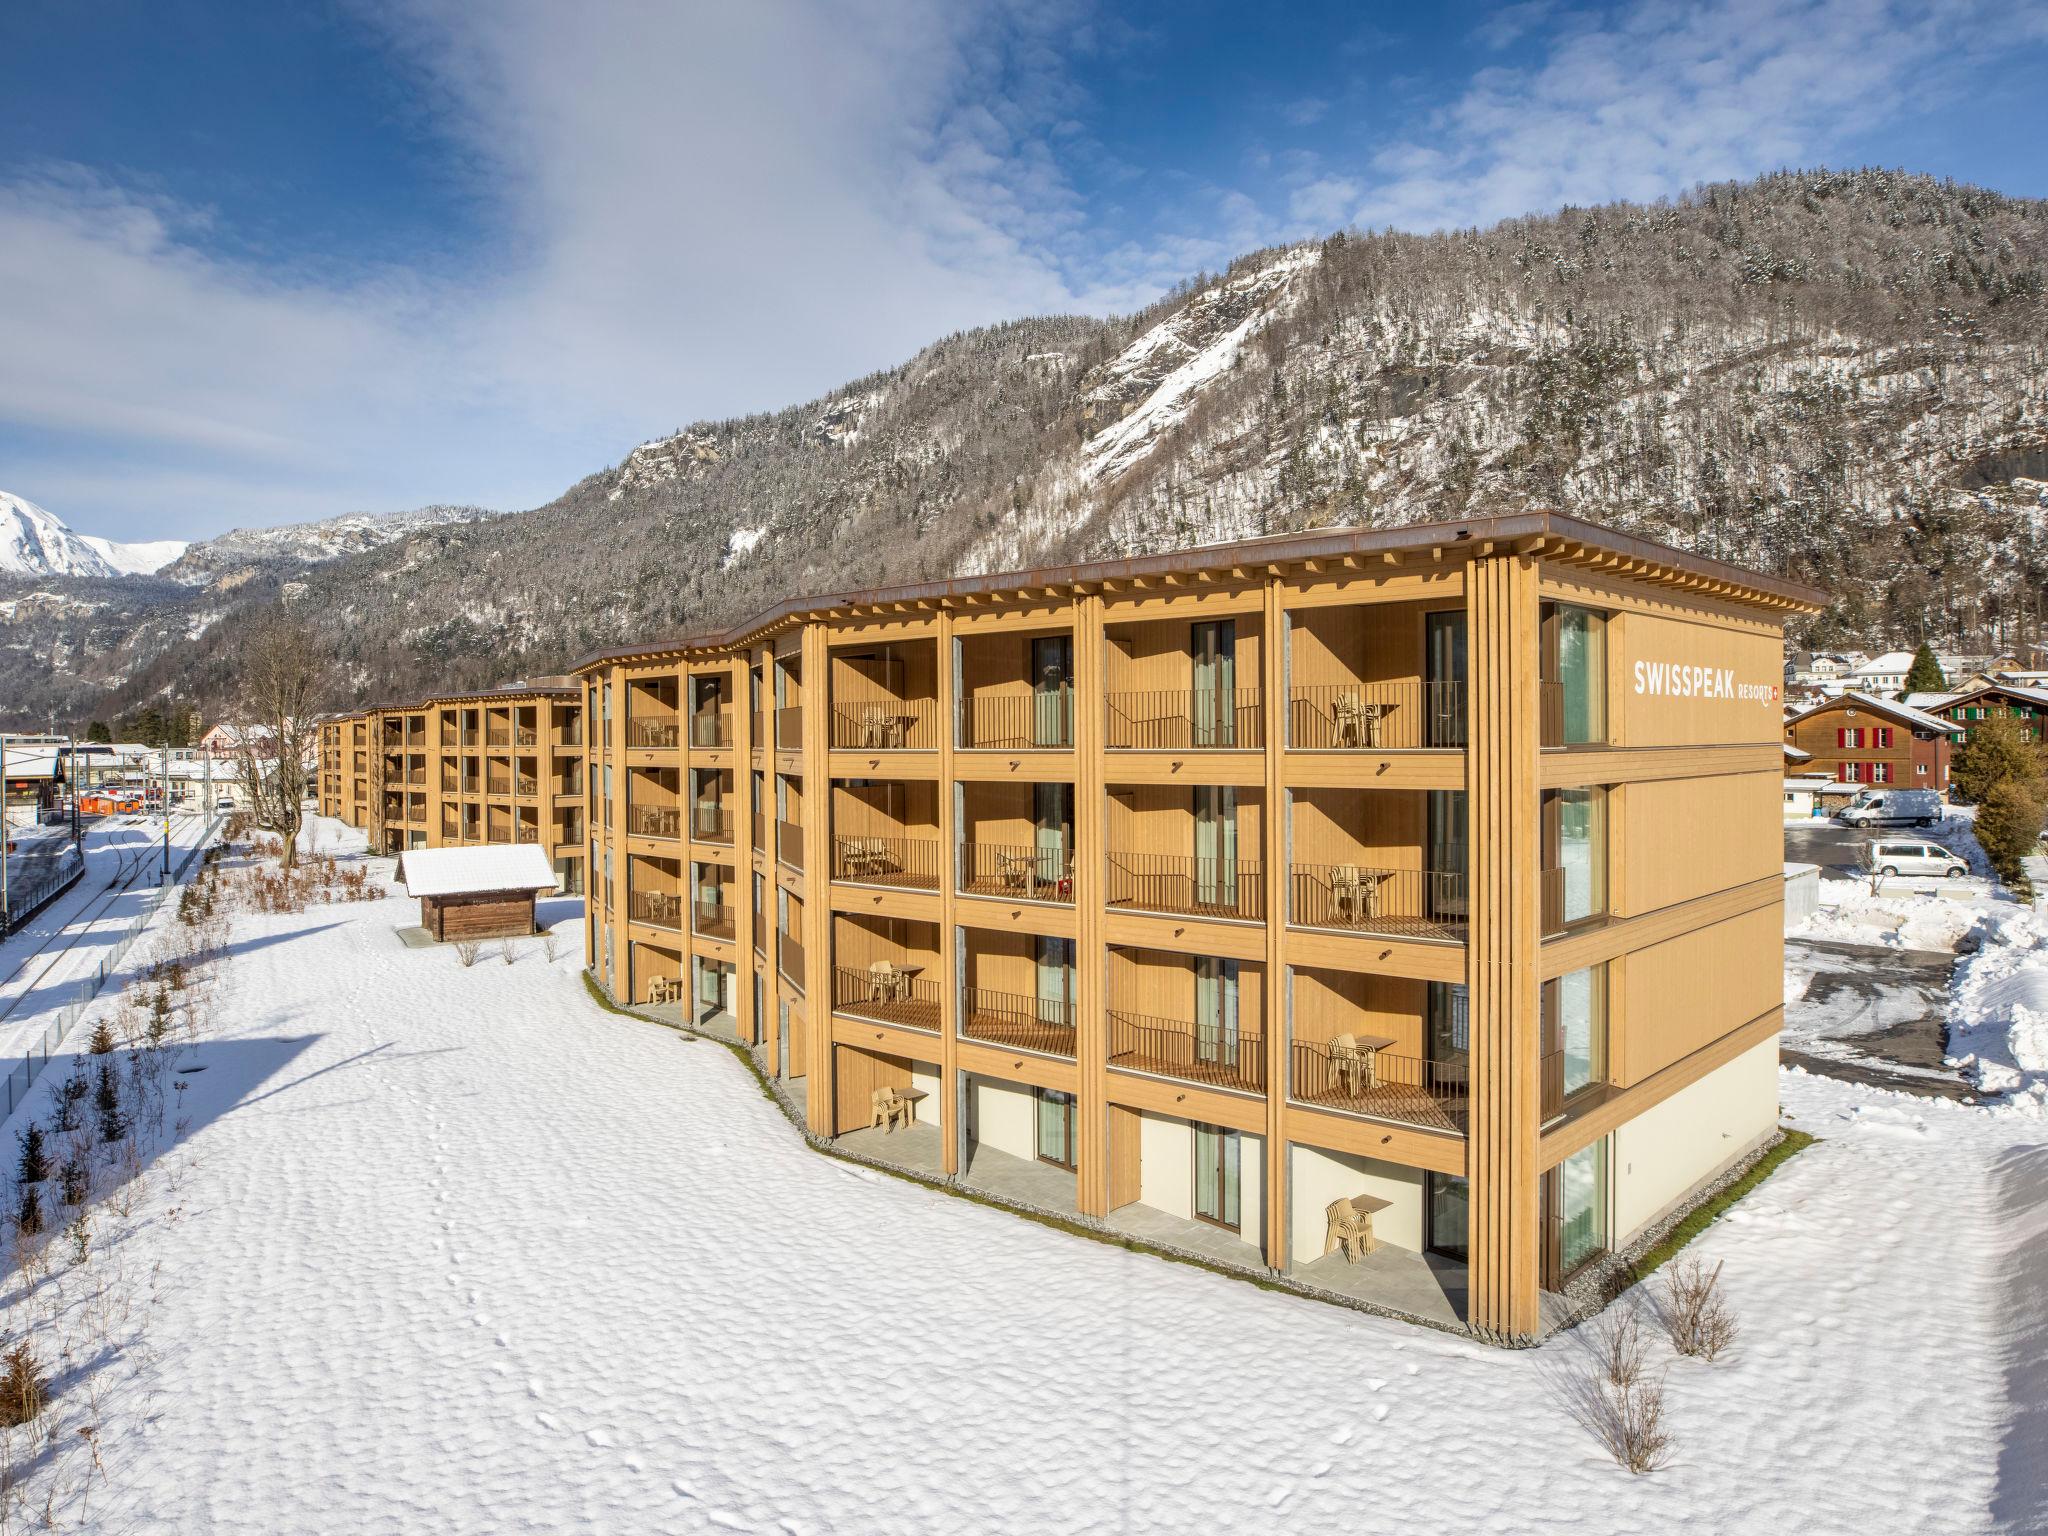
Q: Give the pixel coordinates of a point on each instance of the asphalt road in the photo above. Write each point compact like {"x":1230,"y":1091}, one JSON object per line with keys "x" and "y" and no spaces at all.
{"x":1837,"y":849}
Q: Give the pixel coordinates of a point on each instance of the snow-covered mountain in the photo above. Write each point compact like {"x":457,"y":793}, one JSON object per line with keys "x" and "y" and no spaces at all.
{"x":243,"y":549}
{"x":37,"y":542}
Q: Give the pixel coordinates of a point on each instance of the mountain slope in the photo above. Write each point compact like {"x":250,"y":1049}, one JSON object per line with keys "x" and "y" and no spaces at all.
{"x":35,"y":542}
{"x":1833,"y":376}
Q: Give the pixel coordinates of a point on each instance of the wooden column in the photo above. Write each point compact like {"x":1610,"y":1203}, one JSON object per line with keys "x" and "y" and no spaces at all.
{"x":615,"y":835}
{"x":1503,"y":955}
{"x":822,"y":1093}
{"x":951,"y":1122}
{"x":744,"y":968}
{"x":1091,"y":882}
{"x":1274,"y":822}
{"x":771,"y":903}
{"x":593,"y":831}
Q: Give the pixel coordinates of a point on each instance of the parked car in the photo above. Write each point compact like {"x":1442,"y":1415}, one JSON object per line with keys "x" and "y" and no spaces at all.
{"x":1897,"y":858}
{"x":223,"y":806}
{"x":1892,"y":808}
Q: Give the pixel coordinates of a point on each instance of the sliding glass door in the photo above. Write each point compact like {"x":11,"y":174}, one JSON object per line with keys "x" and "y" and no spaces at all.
{"x":1213,"y":709}
{"x":1052,"y":814}
{"x":1216,"y":845}
{"x":1216,"y":1010}
{"x":1052,"y":691}
{"x":1216,"y":1176}
{"x":1055,"y":980}
{"x":1055,"y":1127}
{"x":1447,"y":1203}
{"x":1444,"y":679}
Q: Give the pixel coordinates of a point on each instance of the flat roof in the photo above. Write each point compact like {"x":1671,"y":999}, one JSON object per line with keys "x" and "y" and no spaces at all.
{"x":1664,"y":562}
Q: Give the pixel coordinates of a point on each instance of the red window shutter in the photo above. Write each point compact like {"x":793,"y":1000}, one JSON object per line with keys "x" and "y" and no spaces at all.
{"x":1841,"y":736}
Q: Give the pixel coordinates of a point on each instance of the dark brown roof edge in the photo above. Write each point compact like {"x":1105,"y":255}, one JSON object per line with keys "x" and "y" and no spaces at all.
{"x":1286,"y":546}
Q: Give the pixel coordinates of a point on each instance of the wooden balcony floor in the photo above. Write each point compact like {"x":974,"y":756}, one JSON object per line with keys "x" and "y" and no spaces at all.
{"x":1018,"y":1034}
{"x":1391,"y":1101}
{"x":1210,"y":1074}
{"x":908,"y":1013}
{"x":1393,"y":927}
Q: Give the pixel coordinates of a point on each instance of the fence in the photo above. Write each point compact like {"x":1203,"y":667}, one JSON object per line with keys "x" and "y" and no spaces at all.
{"x":24,"y":901}
{"x":23,"y":1077}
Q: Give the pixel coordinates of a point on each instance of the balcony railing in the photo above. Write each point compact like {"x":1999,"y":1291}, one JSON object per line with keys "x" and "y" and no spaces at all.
{"x":1017,"y":722}
{"x":571,"y":735}
{"x":526,"y":834}
{"x":526,"y":736}
{"x":1012,"y":869}
{"x":789,"y":729}
{"x":710,"y":822}
{"x":499,"y":787}
{"x":527,"y":787}
{"x":1399,"y":903}
{"x":711,"y":728}
{"x":910,"y":862}
{"x":654,"y":821}
{"x":1164,"y":882}
{"x":1398,"y":716}
{"x":886,"y":725}
{"x":891,"y":998}
{"x":658,"y":735}
{"x":1197,"y":1053}
{"x":500,"y":738}
{"x":1380,"y":1084}
{"x":661,"y":909}
{"x":713,"y":920}
{"x":789,"y":844}
{"x":789,"y":957}
{"x":1177,"y":719}
{"x":1017,"y":1022}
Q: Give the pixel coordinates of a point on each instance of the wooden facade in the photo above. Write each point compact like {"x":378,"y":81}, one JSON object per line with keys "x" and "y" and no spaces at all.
{"x":461,"y":770}
{"x":1860,"y":739}
{"x":1157,"y":842}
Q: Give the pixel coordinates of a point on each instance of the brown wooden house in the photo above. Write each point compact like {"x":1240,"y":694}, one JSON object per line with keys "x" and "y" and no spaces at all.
{"x":1862,"y":739}
{"x":477,"y":893}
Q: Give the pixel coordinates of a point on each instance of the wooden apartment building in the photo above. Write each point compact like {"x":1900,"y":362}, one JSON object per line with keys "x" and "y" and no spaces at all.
{"x":501,"y":766}
{"x":1436,"y":870}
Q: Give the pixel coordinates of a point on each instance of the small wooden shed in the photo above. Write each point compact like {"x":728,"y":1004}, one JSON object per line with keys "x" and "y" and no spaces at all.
{"x":477,"y":893}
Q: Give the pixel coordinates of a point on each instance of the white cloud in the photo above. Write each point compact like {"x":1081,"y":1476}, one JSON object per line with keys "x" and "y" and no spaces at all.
{"x":1670,"y":93}
{"x":704,"y":210}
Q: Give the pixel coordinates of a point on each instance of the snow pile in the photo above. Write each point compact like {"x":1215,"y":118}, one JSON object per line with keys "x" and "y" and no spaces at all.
{"x":1850,"y":914}
{"x":744,"y":542}
{"x":1998,"y":1010}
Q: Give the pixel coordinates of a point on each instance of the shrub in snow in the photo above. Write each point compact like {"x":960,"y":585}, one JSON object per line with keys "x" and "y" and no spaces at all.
{"x":74,"y":1179}
{"x":34,"y":1164}
{"x":466,"y":950}
{"x":79,"y":1231}
{"x":102,"y":1041}
{"x":509,"y":952}
{"x":21,"y":1387}
{"x":28,"y":1215}
{"x":71,"y":1096}
{"x":107,"y":1105}
{"x":1696,"y":1312}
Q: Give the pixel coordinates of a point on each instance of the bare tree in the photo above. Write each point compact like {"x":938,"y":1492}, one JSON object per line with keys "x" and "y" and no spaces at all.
{"x":283,"y":674}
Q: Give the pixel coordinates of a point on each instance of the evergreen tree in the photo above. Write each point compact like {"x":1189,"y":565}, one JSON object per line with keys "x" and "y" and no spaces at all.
{"x":2009,"y":827}
{"x":1995,"y":752}
{"x":1925,"y":675}
{"x":34,"y":1165}
{"x":98,"y":731}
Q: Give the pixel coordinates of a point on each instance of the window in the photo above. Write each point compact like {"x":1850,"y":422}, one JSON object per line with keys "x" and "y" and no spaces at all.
{"x":1444,"y":678}
{"x":1055,"y":1131}
{"x":1212,"y":647}
{"x":1215,"y":807}
{"x":1881,"y":736}
{"x":1216,"y":1176}
{"x":1574,"y":857}
{"x":1052,"y":691}
{"x":1880,"y":773}
{"x":1575,"y":1200}
{"x":1446,"y":1202}
{"x":1573,"y":670}
{"x":1574,"y":1025}
{"x":1216,"y":1010}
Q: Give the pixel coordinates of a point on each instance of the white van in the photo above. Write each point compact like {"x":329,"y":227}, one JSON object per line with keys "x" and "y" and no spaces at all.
{"x":1892,"y":808}
{"x":1889,"y":858}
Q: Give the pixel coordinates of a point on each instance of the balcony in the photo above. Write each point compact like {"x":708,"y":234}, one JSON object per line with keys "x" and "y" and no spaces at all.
{"x":499,"y":736}
{"x":887,"y":996}
{"x":908,"y":862}
{"x":886,"y":725}
{"x":525,"y":736}
{"x":713,"y":920}
{"x":1396,"y":716}
{"x":1172,"y":720}
{"x":663,"y":821}
{"x":1362,"y":1080}
{"x":711,"y":728}
{"x":526,"y":833}
{"x":710,"y":822}
{"x":1193,"y":887}
{"x":1016,"y":1022}
{"x":1393,"y":903}
{"x":653,"y":735}
{"x":659,"y":909}
{"x":1017,"y":721}
{"x":1215,"y":1056}
{"x":1016,"y":870}
{"x":789,"y":844}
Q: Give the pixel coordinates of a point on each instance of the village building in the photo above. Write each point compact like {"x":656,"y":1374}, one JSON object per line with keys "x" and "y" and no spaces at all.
{"x":1862,"y":739}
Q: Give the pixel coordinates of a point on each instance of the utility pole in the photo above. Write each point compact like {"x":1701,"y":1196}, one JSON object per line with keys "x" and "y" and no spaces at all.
{"x":163,"y":780}
{"x":6,"y":840}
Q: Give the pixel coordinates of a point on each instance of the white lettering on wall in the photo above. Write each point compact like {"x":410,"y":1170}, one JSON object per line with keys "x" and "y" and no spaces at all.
{"x":1680,"y":680}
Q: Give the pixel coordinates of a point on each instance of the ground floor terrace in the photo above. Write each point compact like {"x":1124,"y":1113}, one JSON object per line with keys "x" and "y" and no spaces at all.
{"x":460,"y":1249}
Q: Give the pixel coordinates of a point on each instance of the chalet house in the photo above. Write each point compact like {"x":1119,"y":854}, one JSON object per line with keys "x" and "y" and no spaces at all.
{"x":1862,"y":739}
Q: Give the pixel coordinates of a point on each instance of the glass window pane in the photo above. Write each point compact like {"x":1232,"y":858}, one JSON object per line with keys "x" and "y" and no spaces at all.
{"x":1581,"y":1203}
{"x":1578,"y":1023}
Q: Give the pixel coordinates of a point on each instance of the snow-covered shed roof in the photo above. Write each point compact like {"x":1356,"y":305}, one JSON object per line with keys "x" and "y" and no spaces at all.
{"x":1794,"y":755}
{"x":474,"y":871}
{"x":2031,"y":694}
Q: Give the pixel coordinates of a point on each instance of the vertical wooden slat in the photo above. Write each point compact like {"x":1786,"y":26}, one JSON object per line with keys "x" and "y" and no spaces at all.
{"x":1273,"y":828}
{"x":946,"y":690}
{"x":817,"y":939}
{"x":1501,"y":806}
{"x":615,"y":748}
{"x":1091,"y":871}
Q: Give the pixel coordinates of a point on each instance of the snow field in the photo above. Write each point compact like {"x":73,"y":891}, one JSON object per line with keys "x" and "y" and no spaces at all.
{"x":455,"y":1250}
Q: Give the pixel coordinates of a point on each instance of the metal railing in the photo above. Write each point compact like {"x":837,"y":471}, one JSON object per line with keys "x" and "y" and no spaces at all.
{"x":713,"y":920}
{"x":1399,"y":903}
{"x":1176,"y":719}
{"x":911,"y":1001}
{"x":526,"y":834}
{"x":1196,"y":887}
{"x":1196,"y":1053}
{"x":1013,"y":869}
{"x":886,"y":725}
{"x":653,"y":735}
{"x":499,"y":738}
{"x":1017,"y":1022}
{"x":710,"y":822}
{"x":25,"y":898}
{"x":711,"y":728}
{"x":911,"y":862}
{"x":1398,"y":716}
{"x":654,"y":821}
{"x":1017,"y":722}
{"x":1381,"y":1084}
{"x":789,"y":844}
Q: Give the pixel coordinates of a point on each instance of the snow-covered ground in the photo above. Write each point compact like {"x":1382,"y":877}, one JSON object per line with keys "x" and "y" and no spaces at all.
{"x":454,"y":1250}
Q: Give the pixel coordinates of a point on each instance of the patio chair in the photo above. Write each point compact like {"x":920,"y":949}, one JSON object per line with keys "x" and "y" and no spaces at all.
{"x":883,"y":1110}
{"x":1347,"y":892}
{"x":1347,"y":718}
{"x":881,"y":982}
{"x":1348,"y":1228}
{"x":1348,"y":1061}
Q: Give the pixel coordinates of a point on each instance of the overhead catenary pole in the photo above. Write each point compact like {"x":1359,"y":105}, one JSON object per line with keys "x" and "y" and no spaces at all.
{"x":163,"y":783}
{"x":6,"y":839}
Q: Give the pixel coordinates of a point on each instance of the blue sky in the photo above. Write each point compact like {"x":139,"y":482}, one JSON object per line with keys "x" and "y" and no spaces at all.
{"x":267,"y":263}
